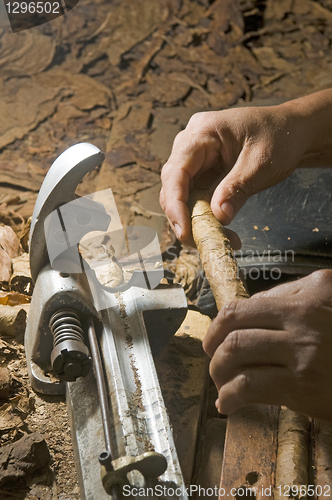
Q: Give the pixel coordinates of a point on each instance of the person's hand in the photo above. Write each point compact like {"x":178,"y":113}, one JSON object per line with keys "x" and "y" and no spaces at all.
{"x":246,"y":150}
{"x":276,"y":348}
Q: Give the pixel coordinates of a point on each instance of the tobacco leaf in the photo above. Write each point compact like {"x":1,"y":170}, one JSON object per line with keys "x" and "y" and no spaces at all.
{"x":24,"y":235}
{"x":130,"y":118}
{"x":9,"y":242}
{"x":72,"y":27}
{"x":87,"y":92}
{"x":8,"y":420}
{"x":187,"y":268}
{"x":13,"y":298}
{"x":227,"y":92}
{"x":12,"y":322}
{"x":5,"y":383}
{"x":5,"y":267}
{"x":169,"y":91}
{"x":269,"y":59}
{"x":25,"y":53}
{"x":21,"y":459}
{"x":66,"y":112}
{"x":192,"y":12}
{"x":17,"y":172}
{"x":24,"y":104}
{"x":11,"y":218}
{"x":126,"y":180}
{"x":21,"y":280}
{"x":226,"y":14}
{"x":128,"y":144}
{"x":278,"y":9}
{"x":128,"y":25}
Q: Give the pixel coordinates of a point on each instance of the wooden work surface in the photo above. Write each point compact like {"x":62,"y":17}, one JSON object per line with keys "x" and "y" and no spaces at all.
{"x":250,"y":452}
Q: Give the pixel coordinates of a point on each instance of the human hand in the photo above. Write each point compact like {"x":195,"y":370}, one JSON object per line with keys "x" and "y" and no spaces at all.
{"x":276,"y":348}
{"x":247,"y":150}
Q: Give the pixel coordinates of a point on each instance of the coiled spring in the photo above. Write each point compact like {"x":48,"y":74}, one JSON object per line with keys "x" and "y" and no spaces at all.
{"x":65,"y":325}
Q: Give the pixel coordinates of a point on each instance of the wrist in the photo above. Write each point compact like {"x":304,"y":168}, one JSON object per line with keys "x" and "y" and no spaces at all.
{"x":312,"y":118}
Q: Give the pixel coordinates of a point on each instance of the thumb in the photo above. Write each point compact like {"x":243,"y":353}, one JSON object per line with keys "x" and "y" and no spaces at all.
{"x":232,"y":192}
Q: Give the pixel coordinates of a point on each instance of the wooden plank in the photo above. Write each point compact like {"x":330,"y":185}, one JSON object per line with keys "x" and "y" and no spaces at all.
{"x":211,"y":455}
{"x":250,"y":453}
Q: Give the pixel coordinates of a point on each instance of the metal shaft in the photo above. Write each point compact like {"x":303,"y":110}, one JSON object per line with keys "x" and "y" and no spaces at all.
{"x":101,"y":386}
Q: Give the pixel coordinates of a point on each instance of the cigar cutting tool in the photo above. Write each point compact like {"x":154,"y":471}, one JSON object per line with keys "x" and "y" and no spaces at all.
{"x":95,"y":342}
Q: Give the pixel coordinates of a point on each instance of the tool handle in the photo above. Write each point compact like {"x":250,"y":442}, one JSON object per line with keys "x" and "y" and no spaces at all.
{"x":215,"y":251}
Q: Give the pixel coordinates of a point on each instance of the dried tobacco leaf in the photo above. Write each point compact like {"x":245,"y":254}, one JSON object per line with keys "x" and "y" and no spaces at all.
{"x":128,"y":25}
{"x":87,"y":92}
{"x":9,"y":242}
{"x":132,"y":117}
{"x":169,"y":91}
{"x":26,"y":53}
{"x":5,"y":382}
{"x":12,"y":322}
{"x":8,"y":421}
{"x":13,"y":298}
{"x":16,"y":172}
{"x":126,"y":180}
{"x":278,"y":9}
{"x":226,"y":14}
{"x":21,"y":280}
{"x":192,"y":12}
{"x":24,"y":104}
{"x":269,"y":59}
{"x":5,"y":267}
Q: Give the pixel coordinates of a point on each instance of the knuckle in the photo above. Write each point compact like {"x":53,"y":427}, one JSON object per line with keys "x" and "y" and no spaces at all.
{"x":323,"y":276}
{"x":215,"y":371}
{"x":262,"y":154}
{"x":240,"y":190}
{"x":228,"y":311}
{"x":165,"y":171}
{"x":231,"y":343}
{"x":304,"y":309}
{"x":307,"y":308}
{"x":197,"y":119}
{"x":179,"y":138}
{"x":244,"y":387}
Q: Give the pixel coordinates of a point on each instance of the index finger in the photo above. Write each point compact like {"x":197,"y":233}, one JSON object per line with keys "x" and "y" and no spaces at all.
{"x":187,"y":158}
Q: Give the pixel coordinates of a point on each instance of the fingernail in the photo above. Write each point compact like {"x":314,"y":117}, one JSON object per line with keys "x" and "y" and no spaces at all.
{"x":217,"y":404}
{"x":228,"y":210}
{"x":178,"y":231}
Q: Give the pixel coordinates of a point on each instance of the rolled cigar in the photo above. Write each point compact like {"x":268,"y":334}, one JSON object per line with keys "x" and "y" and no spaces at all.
{"x":323,"y":459}
{"x":218,"y":261}
{"x":292,"y":456}
{"x":21,"y":280}
{"x":12,"y":320}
